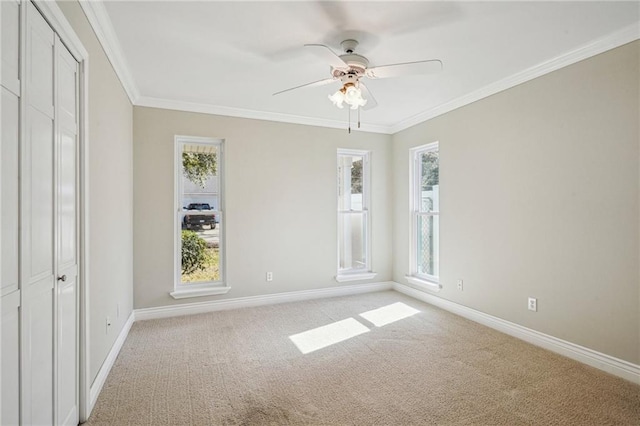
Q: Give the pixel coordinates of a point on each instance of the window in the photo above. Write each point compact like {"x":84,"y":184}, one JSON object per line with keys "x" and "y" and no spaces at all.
{"x":199,"y":220}
{"x":354,"y":249}
{"x":425,"y":216}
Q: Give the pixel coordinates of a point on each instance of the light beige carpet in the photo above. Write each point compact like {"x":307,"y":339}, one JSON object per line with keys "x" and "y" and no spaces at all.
{"x":432,"y":368}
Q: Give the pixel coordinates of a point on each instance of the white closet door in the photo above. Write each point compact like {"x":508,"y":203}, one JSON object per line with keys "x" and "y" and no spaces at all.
{"x":9,"y":286}
{"x":66,"y":236}
{"x":39,"y":251}
{"x":37,"y":231}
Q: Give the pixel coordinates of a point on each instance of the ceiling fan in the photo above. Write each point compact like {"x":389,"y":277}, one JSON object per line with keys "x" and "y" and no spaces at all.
{"x":350,"y":68}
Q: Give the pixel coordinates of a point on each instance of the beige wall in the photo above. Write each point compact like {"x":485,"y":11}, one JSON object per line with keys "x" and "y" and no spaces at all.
{"x":111,"y":194}
{"x":280,"y":203}
{"x":539,"y":197}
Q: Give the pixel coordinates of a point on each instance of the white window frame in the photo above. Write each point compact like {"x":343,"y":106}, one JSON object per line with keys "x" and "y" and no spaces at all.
{"x":366,"y":273}
{"x":424,"y":281}
{"x":180,"y":290}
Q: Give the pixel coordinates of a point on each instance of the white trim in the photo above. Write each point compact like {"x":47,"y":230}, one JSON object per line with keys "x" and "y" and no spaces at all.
{"x":250,"y":301}
{"x":422,"y":283}
{"x":415,"y":207}
{"x":355,"y":277}
{"x":355,"y":152}
{"x":365,"y":211}
{"x":96,"y":387}
{"x":184,"y":293}
{"x":214,"y":286}
{"x":604,"y":362}
{"x":617,"y":39}
{"x":1,"y":295}
{"x":146,"y":101}
{"x":101,"y":23}
{"x":85,"y":346}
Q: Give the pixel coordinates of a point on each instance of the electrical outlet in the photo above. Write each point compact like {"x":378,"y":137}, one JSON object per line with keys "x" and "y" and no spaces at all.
{"x":269,"y":276}
{"x":533,"y":304}
{"x":460,"y":285}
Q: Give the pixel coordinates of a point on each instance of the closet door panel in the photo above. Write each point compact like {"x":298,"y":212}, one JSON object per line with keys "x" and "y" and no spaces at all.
{"x":67,"y":214}
{"x":67,"y":387}
{"x":37,"y":378}
{"x":11,"y":45}
{"x":66,"y":108}
{"x":10,"y":191}
{"x":66,"y":116}
{"x":38,"y":203}
{"x":39,"y":57}
{"x":10,"y":367}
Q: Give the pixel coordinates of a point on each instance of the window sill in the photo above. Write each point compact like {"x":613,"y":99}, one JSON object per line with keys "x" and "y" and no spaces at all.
{"x":199,"y":292}
{"x":423,"y":284}
{"x":356,"y":277}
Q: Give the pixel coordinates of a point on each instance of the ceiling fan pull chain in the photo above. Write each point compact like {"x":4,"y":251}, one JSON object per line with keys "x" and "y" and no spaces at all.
{"x":349,"y":115}
{"x":358,"y":118}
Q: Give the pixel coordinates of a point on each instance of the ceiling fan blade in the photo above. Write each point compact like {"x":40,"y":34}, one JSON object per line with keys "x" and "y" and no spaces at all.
{"x":431,"y":66}
{"x":371,"y":101}
{"x":327,"y":55}
{"x":313,"y":84}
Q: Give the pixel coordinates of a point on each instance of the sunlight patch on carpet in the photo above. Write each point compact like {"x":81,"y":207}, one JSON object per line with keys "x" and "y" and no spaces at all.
{"x":388,"y":314}
{"x":327,"y":335}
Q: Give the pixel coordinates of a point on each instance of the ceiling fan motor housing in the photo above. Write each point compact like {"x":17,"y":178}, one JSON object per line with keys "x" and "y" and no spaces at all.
{"x":355,"y":61}
{"x":357,"y":67}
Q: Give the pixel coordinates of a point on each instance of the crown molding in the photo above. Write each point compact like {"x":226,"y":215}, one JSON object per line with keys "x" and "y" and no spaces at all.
{"x":101,"y":24}
{"x":146,"y":101}
{"x":616,"y":39}
{"x":99,"y":20}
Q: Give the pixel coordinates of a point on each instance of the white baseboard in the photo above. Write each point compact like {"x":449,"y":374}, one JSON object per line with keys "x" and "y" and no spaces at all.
{"x":267,"y":299}
{"x":97,"y":384}
{"x":612,"y":365}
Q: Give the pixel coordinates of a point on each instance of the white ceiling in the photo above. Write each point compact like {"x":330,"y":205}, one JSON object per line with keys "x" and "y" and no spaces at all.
{"x":229,"y":57}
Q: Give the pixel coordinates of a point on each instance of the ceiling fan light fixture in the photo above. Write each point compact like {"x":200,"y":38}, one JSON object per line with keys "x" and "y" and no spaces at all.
{"x":353,"y":96}
{"x":350,"y":94}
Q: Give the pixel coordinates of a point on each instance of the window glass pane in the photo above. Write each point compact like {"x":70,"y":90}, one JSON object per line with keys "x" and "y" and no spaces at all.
{"x":428,"y":243}
{"x":429,"y":182}
{"x":200,"y":218}
{"x":200,"y":251}
{"x":351,"y":231}
{"x":200,"y":186}
{"x":350,"y":182}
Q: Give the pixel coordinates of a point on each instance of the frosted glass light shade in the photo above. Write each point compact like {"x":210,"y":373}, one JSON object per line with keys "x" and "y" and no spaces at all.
{"x":337,"y":99}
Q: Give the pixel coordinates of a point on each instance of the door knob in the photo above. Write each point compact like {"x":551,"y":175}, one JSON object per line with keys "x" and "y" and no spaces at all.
{"x":63,"y":278}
